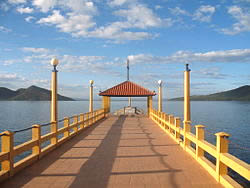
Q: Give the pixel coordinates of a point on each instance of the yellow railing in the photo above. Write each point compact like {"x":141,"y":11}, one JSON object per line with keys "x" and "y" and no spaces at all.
{"x":224,"y":160}
{"x":9,"y":151}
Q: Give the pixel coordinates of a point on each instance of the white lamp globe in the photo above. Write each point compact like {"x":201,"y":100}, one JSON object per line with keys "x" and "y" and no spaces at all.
{"x":160,"y":82}
{"x":91,"y":82}
{"x":54,"y":62}
{"x":130,"y":57}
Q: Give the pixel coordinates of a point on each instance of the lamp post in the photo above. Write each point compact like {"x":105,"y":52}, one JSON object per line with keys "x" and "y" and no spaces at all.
{"x":160,"y":96}
{"x":54,"y":63}
{"x":91,"y":96}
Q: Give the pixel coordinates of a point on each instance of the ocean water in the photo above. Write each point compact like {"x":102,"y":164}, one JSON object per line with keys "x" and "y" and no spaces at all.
{"x":230,"y":117}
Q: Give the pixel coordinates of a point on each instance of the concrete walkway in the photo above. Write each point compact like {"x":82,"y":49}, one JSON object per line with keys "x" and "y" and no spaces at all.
{"x":117,"y":152}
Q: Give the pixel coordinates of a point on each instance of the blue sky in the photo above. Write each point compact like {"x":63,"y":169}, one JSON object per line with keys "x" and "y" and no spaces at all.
{"x":93,"y":38}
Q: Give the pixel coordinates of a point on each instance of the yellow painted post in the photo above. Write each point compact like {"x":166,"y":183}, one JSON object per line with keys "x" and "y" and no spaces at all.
{"x":171,"y":122}
{"x":91,"y":96}
{"x":160,"y":96}
{"x":66,"y":124}
{"x":82,"y":121}
{"x":200,"y":135}
{"x":75,"y":120}
{"x":54,"y":106}
{"x":7,"y":138}
{"x":104,"y":104}
{"x":149,"y":104}
{"x":36,"y":135}
{"x":87,"y":119}
{"x":129,"y":101}
{"x":222,"y":147}
{"x":187,"y":116}
{"x":177,"y":127}
{"x":165,"y":119}
{"x":53,"y":129}
{"x":108,"y":104}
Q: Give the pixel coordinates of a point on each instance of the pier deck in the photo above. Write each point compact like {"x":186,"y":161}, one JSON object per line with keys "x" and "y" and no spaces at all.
{"x":119,"y":151}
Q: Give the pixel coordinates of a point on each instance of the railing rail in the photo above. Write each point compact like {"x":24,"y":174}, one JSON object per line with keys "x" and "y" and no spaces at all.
{"x":9,"y":151}
{"x":224,"y":160}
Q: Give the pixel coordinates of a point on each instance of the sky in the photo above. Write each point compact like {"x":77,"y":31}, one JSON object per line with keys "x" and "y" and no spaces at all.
{"x":92,"y":39}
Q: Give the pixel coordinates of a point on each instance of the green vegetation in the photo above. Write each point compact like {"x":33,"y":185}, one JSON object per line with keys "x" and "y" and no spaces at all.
{"x":238,"y":94}
{"x":32,"y":93}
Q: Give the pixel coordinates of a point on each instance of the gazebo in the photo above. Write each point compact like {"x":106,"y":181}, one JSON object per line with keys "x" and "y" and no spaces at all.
{"x":126,"y":89}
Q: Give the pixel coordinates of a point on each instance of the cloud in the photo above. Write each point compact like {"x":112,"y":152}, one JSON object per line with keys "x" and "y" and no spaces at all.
{"x":29,"y":18}
{"x":4,"y":6}
{"x":25,"y":10}
{"x":242,"y":18}
{"x":36,"y":50}
{"x":76,"y":24}
{"x":4,"y":29}
{"x":227,"y":56}
{"x":6,"y":77}
{"x":178,"y":11}
{"x":120,"y":2}
{"x":212,"y":73}
{"x":17,"y":1}
{"x":44,"y":5}
{"x":204,"y":13}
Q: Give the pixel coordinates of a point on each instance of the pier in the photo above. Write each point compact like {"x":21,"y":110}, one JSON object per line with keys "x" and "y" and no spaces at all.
{"x":98,"y":149}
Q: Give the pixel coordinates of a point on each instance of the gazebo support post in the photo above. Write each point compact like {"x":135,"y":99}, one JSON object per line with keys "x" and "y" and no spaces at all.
{"x":149,"y":104}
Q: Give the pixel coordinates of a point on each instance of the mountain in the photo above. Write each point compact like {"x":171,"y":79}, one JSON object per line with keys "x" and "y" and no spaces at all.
{"x":238,"y":94}
{"x":32,"y":93}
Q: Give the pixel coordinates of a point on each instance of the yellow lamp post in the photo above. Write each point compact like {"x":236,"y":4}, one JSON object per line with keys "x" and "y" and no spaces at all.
{"x":91,"y":96}
{"x":187,"y":116}
{"x":160,"y":96}
{"x":54,"y":63}
{"x":54,"y":112}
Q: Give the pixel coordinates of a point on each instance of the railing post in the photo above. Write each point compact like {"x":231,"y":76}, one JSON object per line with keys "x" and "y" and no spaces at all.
{"x":222,"y":147}
{"x":36,"y":135}
{"x":82,"y":121}
{"x":53,"y":128}
{"x":187,"y":129}
{"x":171,"y":122}
{"x":165,"y":119}
{"x":66,"y":124}
{"x":75,"y":122}
{"x":7,"y":146}
{"x":200,"y":135}
{"x":177,"y":127}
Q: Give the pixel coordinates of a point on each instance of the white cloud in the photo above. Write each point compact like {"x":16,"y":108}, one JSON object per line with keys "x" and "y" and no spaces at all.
{"x":212,"y":73}
{"x":120,"y":2}
{"x":76,"y":24}
{"x":4,"y":6}
{"x":178,"y":11}
{"x":25,"y":10}
{"x":140,"y":16}
{"x":236,"y":55}
{"x":36,"y":50}
{"x":29,"y":18}
{"x":243,"y":21}
{"x":5,"y":77}
{"x":204,"y":13}
{"x":4,"y":29}
{"x":44,"y":5}
{"x":17,"y":1}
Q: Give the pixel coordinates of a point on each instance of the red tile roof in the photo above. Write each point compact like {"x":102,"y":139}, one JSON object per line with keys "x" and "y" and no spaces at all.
{"x":127,"y":89}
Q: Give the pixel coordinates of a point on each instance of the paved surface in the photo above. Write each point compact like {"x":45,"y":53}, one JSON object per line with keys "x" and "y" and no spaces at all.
{"x":118,"y":152}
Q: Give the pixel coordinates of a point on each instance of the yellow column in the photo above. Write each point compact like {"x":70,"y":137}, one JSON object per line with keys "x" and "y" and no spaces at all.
{"x":187,"y":116}
{"x":200,"y":135}
{"x":91,"y":96}
{"x":54,"y":62}
{"x":221,"y":147}
{"x":160,"y":96}
{"x":149,"y":104}
{"x":36,"y":135}
{"x":7,"y":146}
{"x":177,"y":127}
{"x":66,"y":124}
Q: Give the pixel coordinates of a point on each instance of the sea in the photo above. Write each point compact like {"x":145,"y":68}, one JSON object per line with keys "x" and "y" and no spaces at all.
{"x":232,"y":117}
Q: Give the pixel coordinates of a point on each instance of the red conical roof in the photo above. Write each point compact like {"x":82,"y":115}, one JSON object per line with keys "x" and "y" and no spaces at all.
{"x":127,"y":89}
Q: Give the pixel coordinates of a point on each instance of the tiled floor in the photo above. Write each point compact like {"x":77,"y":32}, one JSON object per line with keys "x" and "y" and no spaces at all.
{"x":117,"y":152}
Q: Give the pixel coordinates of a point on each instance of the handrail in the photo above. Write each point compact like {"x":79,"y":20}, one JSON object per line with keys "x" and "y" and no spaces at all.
{"x":172,"y":126}
{"x":9,"y":151}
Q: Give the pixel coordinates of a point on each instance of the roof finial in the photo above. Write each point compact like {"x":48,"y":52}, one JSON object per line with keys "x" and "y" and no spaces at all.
{"x":128,"y":69}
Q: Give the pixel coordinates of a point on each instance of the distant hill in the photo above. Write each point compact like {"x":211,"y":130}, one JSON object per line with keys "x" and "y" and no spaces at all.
{"x":238,"y":94}
{"x":32,"y":93}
